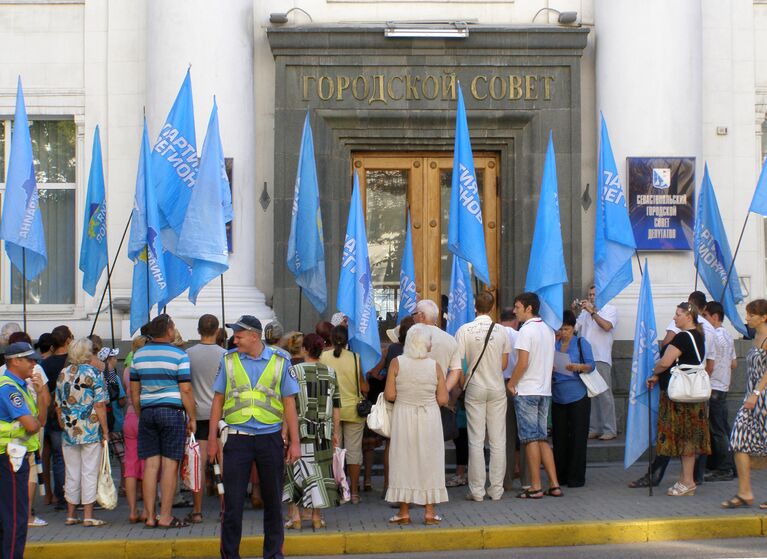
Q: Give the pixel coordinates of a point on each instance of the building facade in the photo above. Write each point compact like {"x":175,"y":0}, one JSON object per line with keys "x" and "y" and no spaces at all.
{"x":683,"y":79}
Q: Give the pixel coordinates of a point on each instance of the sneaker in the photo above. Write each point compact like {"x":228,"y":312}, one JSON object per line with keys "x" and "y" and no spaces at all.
{"x":593,"y":436}
{"x":37,"y":522}
{"x":719,"y":476}
{"x":607,"y":437}
{"x":456,"y":481}
{"x":470,"y":497}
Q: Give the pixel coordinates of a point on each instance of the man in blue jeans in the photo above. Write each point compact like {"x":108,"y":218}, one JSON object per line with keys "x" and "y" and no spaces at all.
{"x":530,"y":384}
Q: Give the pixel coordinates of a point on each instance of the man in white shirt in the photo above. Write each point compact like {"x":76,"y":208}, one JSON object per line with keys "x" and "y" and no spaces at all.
{"x":444,"y":349}
{"x":725,"y":361}
{"x":511,"y":324}
{"x":597,"y":326}
{"x":485,"y":397}
{"x":530,"y":384}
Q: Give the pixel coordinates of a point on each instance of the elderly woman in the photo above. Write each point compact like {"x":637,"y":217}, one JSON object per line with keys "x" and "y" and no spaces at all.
{"x":309,"y":481}
{"x":749,"y":430}
{"x":416,"y":385}
{"x":682,"y":428}
{"x":571,"y":406}
{"x":81,"y":406}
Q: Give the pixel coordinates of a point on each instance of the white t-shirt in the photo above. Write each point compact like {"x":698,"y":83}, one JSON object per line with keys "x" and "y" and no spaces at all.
{"x":512,"y":334}
{"x":724,"y":353}
{"x":471,"y":339}
{"x":444,"y":349}
{"x":601,"y":342}
{"x":536,"y":338}
{"x":709,"y":335}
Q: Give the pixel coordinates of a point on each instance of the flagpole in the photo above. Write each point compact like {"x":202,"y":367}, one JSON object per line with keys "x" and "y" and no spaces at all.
{"x":734,"y":256}
{"x":111,"y":310}
{"x":300,"y":297}
{"x":639,"y":262}
{"x":24,"y":286}
{"x":223,"y":315}
{"x":649,"y":440}
{"x":148,"y":297}
{"x":109,"y":276}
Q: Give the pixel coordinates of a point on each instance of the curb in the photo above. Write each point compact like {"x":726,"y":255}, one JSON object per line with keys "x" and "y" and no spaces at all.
{"x":410,"y":540}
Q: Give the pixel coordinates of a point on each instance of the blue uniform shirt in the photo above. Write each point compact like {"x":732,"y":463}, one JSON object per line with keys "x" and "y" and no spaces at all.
{"x":569,"y":388}
{"x":255,"y":366}
{"x":12,"y":402}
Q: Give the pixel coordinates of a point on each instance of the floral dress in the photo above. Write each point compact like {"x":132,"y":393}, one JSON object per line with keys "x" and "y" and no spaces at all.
{"x":78,"y":389}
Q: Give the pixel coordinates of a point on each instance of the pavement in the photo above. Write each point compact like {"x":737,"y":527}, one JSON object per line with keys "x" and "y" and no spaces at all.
{"x":605,"y":511}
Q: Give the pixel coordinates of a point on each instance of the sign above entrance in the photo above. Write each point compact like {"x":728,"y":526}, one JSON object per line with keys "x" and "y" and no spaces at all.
{"x":661,"y":193}
{"x":382,"y":87}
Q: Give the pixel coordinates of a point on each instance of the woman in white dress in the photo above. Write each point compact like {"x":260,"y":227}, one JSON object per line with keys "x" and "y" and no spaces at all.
{"x":416,"y":385}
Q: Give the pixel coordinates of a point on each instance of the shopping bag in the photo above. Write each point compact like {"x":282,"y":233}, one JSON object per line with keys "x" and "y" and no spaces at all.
{"x":594,"y":382}
{"x":106,"y":494}
{"x":191,"y":467}
{"x":339,"y":457}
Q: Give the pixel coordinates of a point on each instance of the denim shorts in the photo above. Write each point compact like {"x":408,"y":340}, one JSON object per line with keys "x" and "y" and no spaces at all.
{"x":532,"y":417}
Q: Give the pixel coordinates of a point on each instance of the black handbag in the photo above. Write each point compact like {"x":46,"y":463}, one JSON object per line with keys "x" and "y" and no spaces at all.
{"x":364,"y":405}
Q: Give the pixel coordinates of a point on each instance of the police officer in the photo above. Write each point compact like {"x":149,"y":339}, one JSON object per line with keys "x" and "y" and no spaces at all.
{"x":254,"y":393}
{"x":20,"y":419}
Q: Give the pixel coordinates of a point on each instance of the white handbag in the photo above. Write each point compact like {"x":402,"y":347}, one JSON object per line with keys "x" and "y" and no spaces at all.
{"x":379,"y":418}
{"x":690,"y":384}
{"x":595,"y":384}
{"x":106,"y":494}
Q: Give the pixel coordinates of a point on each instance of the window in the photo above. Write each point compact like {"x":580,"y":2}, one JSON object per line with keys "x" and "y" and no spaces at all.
{"x":53,"y":149}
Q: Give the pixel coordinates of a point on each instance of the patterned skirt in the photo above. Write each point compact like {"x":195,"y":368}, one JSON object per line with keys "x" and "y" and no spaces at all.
{"x":682,"y":428}
{"x":749,"y":430}
{"x":309,"y":482}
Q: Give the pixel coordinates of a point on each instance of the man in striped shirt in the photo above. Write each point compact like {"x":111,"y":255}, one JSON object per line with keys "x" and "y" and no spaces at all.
{"x":161,"y":390}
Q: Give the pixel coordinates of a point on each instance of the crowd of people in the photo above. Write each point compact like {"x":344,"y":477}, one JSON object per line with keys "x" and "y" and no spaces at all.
{"x":272,"y":409}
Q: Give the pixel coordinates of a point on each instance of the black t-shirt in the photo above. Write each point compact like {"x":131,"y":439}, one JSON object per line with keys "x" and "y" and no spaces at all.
{"x":52,"y":366}
{"x":684,"y":343}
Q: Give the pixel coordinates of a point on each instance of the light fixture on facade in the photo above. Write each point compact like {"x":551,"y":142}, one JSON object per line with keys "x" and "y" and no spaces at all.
{"x":564,"y":18}
{"x":279,"y":18}
{"x":435,"y":30}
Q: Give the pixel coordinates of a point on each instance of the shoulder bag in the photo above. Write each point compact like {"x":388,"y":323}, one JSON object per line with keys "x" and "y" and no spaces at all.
{"x":448,"y":415}
{"x":595,"y":384}
{"x":379,"y":418}
{"x":690,"y":384}
{"x":363,"y":405}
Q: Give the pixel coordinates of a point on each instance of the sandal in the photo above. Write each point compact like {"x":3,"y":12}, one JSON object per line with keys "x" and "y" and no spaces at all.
{"x":193,"y":518}
{"x":136,"y":519}
{"x":93,"y":523}
{"x":555,"y":491}
{"x":432,"y":520}
{"x":531,"y":494}
{"x":174,"y":523}
{"x":397,"y":519}
{"x":763,"y":506}
{"x":293,"y":524}
{"x":318,"y":523}
{"x":355,"y":499}
{"x":681,"y":490}
{"x":71,"y":521}
{"x":737,"y":502}
{"x":367,"y":487}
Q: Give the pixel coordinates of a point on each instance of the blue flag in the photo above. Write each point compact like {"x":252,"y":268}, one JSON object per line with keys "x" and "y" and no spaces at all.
{"x":546,"y":272}
{"x":93,"y":247}
{"x":203,"y":233}
{"x":22,"y":224}
{"x":759,"y":201}
{"x":465,"y":232}
{"x":460,"y":302}
{"x":174,"y":172}
{"x":355,"y":287}
{"x":306,"y":253}
{"x":712,"y":254}
{"x":407,"y":292}
{"x":641,"y":401}
{"x":614,"y":243}
{"x":150,"y":284}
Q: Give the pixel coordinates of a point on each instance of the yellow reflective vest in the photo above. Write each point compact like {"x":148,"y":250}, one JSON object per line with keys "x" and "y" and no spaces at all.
{"x":12,"y":431}
{"x":262,"y":402}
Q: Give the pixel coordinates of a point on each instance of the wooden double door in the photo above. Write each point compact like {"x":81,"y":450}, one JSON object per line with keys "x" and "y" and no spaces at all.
{"x":392,"y":183}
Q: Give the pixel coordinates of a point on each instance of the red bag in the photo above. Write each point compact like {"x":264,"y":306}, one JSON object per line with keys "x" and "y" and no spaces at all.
{"x":191,"y":467}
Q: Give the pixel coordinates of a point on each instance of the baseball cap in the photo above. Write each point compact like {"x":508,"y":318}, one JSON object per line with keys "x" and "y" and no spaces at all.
{"x":107,"y":352}
{"x":337,"y":318}
{"x":273,"y":330}
{"x":246,"y":322}
{"x":21,"y":349}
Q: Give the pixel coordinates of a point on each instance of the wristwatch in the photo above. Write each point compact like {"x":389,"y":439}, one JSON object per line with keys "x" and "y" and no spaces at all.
{"x":756,"y":393}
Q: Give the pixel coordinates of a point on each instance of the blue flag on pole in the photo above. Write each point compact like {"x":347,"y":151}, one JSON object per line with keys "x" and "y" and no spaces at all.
{"x":174,"y":171}
{"x":614,"y":243}
{"x":546,"y":272}
{"x":407,"y":289}
{"x":460,"y":302}
{"x":203,"y":232}
{"x":150,"y":284}
{"x":22,"y":224}
{"x":465,"y":232}
{"x":712,"y":254}
{"x":306,"y":252}
{"x":641,"y":400}
{"x":93,"y":247}
{"x":355,"y":287}
{"x":759,"y":201}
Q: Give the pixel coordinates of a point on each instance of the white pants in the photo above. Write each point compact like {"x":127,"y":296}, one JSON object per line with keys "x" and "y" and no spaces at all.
{"x":81,"y":463}
{"x":486,"y":413}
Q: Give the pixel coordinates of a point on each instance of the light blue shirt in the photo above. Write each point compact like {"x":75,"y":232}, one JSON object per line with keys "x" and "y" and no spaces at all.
{"x":254,"y":367}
